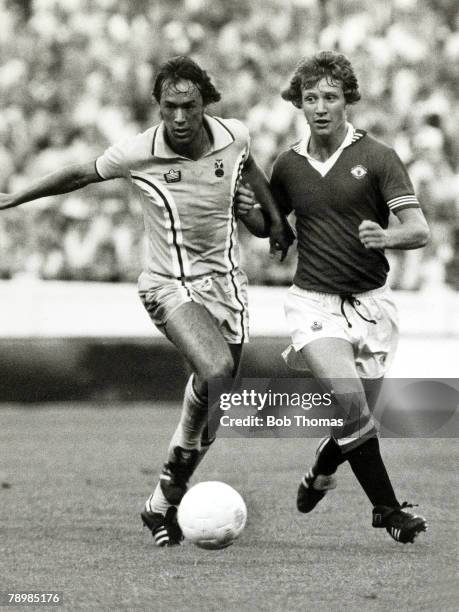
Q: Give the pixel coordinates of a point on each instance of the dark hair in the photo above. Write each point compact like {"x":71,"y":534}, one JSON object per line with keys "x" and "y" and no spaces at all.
{"x":182,"y":67}
{"x":326,"y":64}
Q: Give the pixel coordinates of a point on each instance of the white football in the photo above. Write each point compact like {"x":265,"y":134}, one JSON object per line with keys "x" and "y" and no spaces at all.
{"x":212,"y":515}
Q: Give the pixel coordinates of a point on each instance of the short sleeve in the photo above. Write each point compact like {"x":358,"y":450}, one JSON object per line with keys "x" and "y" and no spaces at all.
{"x":112,"y":163}
{"x":278,"y":189}
{"x":240,"y":134}
{"x":395,"y":184}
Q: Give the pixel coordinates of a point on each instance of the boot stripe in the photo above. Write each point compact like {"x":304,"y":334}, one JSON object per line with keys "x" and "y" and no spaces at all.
{"x":161,"y":531}
{"x":161,"y":537}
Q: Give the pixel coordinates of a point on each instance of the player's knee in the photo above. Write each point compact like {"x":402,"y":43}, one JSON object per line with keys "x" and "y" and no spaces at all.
{"x":218,"y":368}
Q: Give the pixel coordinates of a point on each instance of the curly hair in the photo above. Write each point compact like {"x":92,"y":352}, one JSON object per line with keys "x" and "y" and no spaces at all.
{"x":182,"y":67}
{"x":332,"y":66}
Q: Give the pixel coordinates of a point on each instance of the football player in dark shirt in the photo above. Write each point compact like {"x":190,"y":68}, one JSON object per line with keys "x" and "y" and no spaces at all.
{"x":342,"y":185}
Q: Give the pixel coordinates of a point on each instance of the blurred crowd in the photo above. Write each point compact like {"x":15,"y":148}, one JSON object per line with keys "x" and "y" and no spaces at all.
{"x":76,"y":75}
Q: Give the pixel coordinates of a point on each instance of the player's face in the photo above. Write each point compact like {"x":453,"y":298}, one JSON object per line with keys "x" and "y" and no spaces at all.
{"x":182,"y":110}
{"x":324,"y":107}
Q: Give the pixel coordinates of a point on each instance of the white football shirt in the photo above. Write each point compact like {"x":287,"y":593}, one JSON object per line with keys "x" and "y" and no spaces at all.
{"x":187,"y":205}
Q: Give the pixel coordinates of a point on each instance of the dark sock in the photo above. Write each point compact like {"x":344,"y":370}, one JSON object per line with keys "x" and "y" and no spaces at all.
{"x":328,"y":458}
{"x":368,"y":466}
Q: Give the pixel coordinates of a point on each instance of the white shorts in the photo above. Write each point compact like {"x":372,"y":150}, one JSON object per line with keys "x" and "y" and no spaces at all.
{"x":223,"y":295}
{"x":312,"y":315}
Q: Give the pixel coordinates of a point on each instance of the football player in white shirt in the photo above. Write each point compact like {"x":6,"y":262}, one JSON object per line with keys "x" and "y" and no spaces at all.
{"x":186,"y":170}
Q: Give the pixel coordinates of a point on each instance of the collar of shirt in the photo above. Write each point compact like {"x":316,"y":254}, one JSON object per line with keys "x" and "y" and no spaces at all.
{"x":325,"y":166}
{"x":221,"y":138}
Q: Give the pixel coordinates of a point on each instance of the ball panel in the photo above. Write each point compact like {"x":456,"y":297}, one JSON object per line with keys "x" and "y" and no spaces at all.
{"x":212,"y":515}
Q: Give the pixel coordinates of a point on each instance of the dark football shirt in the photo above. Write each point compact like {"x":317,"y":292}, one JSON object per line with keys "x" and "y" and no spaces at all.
{"x":366,"y":182}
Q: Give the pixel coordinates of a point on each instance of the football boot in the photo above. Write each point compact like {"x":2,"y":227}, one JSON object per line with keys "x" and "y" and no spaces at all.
{"x":402,"y":526}
{"x":312,"y":489}
{"x":164,"y":528}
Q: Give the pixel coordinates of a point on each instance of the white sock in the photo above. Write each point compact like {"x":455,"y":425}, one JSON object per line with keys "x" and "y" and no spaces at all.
{"x":157,"y":502}
{"x":192,"y":421}
{"x":187,"y":435}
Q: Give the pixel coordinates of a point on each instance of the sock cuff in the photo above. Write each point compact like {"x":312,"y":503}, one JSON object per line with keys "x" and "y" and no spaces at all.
{"x":365,"y":444}
{"x":191,"y":393}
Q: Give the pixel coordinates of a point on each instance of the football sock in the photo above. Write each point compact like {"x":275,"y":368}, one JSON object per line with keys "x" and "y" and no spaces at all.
{"x":358,"y":424}
{"x":187,"y":437}
{"x":206,"y":443}
{"x":157,"y":502}
{"x":328,"y":457}
{"x":368,"y":466}
{"x":192,"y":422}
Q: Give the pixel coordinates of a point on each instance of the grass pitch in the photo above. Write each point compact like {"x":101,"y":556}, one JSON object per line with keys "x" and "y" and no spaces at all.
{"x":74,"y":478}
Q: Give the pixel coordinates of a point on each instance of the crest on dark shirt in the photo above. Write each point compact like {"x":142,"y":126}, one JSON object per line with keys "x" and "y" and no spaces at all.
{"x":359,"y":171}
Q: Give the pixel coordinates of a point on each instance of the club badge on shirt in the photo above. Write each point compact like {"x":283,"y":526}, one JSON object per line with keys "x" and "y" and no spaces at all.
{"x":219,"y":170}
{"x":316,"y":326}
{"x":359,"y":172}
{"x":173,"y":176}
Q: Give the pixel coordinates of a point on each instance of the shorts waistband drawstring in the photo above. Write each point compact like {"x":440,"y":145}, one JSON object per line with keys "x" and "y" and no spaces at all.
{"x":353,"y":301}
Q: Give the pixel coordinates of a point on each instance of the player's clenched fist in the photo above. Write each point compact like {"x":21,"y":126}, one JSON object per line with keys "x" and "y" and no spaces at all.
{"x":245,"y":200}
{"x":372,"y":235}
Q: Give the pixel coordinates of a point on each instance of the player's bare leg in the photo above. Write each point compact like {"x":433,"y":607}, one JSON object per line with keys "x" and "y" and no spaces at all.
{"x":195,"y":334}
{"x":209,"y":356}
{"x":331,"y":360}
{"x":209,"y":433}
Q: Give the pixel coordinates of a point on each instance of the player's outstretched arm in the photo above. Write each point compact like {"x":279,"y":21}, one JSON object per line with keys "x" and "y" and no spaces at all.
{"x":412,"y":232}
{"x":279,"y":230}
{"x":65,"y":180}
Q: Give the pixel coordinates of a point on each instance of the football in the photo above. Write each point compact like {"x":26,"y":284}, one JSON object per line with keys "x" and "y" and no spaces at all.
{"x":212,"y":515}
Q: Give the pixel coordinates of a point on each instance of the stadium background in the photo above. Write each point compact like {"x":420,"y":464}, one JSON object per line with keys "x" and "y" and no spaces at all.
{"x":75,"y":75}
